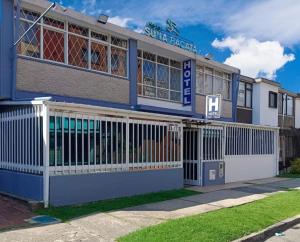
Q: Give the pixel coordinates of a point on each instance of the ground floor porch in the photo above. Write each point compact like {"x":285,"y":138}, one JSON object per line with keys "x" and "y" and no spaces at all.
{"x":65,"y":153}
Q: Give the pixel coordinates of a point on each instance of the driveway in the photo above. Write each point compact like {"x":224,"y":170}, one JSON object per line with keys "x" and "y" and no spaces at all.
{"x":13,"y":212}
{"x":111,"y":225}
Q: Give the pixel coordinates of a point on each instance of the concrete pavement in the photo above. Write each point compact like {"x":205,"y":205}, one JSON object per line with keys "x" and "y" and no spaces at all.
{"x":291,"y":235}
{"x":111,"y":225}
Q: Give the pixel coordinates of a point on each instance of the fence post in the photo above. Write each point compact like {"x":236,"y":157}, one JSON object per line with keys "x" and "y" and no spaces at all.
{"x":127,"y":143}
{"x":45,"y":115}
{"x":277,"y":150}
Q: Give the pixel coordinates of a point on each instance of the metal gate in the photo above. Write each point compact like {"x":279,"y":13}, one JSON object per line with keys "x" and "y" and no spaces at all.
{"x":201,"y":145}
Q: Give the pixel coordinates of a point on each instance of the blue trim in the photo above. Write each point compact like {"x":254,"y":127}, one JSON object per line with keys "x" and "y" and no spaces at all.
{"x":163,"y":110}
{"x":235,"y":90}
{"x":22,"y":95}
{"x":6,"y":50}
{"x":133,"y":71}
{"x":193,"y":86}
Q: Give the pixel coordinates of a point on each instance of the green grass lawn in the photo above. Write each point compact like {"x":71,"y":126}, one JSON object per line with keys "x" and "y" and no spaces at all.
{"x":289,"y":175}
{"x":70,"y":212}
{"x":226,"y":224}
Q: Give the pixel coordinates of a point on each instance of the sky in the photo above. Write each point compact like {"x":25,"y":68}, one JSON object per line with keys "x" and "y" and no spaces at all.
{"x":260,"y":37}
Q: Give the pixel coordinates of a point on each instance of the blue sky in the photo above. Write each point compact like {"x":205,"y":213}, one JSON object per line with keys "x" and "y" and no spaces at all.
{"x":261,"y":37}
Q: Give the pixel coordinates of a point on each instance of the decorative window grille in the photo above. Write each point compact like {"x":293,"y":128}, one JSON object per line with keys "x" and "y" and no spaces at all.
{"x":63,"y":42}
{"x":158,"y":77}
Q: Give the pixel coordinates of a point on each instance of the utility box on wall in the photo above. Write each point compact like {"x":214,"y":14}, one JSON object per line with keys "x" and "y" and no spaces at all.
{"x":213,"y":173}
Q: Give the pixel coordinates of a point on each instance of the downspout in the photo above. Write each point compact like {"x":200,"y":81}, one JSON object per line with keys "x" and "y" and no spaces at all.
{"x":235,"y":90}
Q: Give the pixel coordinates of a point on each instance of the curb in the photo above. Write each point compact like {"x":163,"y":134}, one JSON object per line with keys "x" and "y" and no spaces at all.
{"x":270,"y":231}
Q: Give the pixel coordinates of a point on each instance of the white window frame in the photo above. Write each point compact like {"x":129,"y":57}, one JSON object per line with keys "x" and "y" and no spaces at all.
{"x":89,"y":38}
{"x":156,"y":63}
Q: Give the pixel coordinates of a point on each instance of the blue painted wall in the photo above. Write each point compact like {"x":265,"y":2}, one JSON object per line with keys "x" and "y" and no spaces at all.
{"x":235,"y":91}
{"x":22,"y":185}
{"x":6,"y":48}
{"x":82,"y":188}
{"x":133,"y":71}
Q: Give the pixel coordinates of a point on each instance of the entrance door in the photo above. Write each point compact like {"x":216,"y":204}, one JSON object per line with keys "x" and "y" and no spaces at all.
{"x":203,"y":152}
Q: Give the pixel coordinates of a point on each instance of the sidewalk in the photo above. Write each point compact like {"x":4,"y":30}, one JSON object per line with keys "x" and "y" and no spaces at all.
{"x":111,"y":225}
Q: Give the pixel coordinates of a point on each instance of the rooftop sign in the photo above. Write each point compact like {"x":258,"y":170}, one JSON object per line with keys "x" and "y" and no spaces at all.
{"x":169,"y":35}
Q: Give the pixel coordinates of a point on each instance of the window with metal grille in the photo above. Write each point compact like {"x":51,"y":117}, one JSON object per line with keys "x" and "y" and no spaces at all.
{"x":102,"y":143}
{"x":158,"y":77}
{"x":68,"y":43}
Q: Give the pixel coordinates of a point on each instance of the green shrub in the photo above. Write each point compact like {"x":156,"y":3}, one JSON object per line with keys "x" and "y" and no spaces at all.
{"x":295,"y":167}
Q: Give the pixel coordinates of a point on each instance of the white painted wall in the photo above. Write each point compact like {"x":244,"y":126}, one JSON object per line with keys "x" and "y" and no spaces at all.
{"x":262,"y":113}
{"x":249,"y":167}
{"x":297,"y":113}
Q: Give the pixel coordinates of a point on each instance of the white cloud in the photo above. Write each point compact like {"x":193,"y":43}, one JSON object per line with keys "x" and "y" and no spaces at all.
{"x":254,"y":58}
{"x":117,"y":20}
{"x":269,"y":19}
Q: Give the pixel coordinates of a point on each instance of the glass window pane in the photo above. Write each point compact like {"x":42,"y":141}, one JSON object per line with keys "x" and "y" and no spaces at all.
{"x":73,"y":141}
{"x":208,"y":84}
{"x":99,"y":57}
{"x":99,"y":36}
{"x":73,"y":28}
{"x":218,"y":85}
{"x":280,"y":106}
{"x":139,"y":70}
{"x":248,"y":98}
{"x":54,"y":45}
{"x":162,"y":60}
{"x":66,"y":141}
{"x":227,"y":90}
{"x":290,"y":106}
{"x":79,"y":141}
{"x":52,"y":141}
{"x":162,"y":76}
{"x":149,"y":91}
{"x":78,"y":55}
{"x":241,"y":96}
{"x":30,"y":43}
{"x":175,"y":80}
{"x":119,"y":42}
{"x":200,"y":82}
{"x":58,"y":141}
{"x":175,"y":96}
{"x":162,"y":93}
{"x":118,"y":62}
{"x":176,"y":64}
{"x":85,"y":142}
{"x":149,"y":73}
{"x":92,"y":142}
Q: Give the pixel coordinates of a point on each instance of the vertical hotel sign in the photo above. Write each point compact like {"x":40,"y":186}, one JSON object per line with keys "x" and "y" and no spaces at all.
{"x":187,"y":83}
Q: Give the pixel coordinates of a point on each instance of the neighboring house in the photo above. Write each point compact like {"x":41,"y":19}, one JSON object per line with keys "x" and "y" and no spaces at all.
{"x":264,"y":102}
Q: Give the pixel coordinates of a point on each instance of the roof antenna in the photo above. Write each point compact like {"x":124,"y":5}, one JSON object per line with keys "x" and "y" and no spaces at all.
{"x":36,"y":21}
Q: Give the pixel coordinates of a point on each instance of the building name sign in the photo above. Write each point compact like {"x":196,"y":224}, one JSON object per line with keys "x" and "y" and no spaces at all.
{"x":169,"y":35}
{"x":187,"y":83}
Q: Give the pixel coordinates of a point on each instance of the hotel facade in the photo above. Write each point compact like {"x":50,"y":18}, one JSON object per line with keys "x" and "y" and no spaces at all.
{"x":92,"y":111}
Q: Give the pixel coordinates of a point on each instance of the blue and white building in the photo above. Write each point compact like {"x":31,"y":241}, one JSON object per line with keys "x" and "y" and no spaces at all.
{"x":92,"y":111}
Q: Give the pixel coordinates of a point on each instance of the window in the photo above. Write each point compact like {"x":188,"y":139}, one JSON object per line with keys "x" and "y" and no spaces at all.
{"x":272,"y":99}
{"x":72,"y":44}
{"x":210,"y":81}
{"x":245,"y":95}
{"x":290,"y":106}
{"x":158,"y":77}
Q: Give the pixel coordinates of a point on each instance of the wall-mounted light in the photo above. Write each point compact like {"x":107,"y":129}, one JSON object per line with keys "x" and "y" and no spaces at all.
{"x":103,"y":18}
